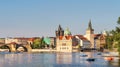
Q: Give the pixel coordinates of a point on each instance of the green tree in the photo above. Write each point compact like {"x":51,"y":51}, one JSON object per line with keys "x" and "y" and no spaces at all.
{"x":118,"y":20}
{"x":115,"y":38}
{"x":109,"y":41}
{"x":36,"y":43}
{"x":117,"y":34}
{"x":42,"y":43}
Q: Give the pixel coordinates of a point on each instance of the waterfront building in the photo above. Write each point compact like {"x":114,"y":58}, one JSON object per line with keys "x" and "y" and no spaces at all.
{"x":2,"y":41}
{"x":19,"y":40}
{"x":52,"y":42}
{"x":90,"y":40}
{"x":100,"y":40}
{"x":82,"y":41}
{"x":9,"y":40}
{"x":63,"y":40}
{"x":90,"y":34}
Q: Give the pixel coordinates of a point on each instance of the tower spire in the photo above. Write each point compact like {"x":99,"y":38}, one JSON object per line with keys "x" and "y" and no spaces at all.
{"x":90,"y":25}
{"x":60,"y":31}
{"x":59,"y":28}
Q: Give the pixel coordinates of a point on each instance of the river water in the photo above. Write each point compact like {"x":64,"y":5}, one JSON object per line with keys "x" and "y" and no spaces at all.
{"x":54,"y":60}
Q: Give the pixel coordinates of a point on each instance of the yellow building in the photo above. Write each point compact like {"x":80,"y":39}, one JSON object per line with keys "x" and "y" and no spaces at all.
{"x":100,"y":40}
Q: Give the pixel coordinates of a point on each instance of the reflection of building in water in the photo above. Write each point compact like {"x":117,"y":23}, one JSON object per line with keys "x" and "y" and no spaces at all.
{"x":89,"y":54}
{"x":64,"y":58}
{"x":13,"y":58}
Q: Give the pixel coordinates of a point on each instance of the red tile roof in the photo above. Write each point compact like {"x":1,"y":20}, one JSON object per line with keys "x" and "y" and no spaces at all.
{"x":13,"y":43}
{"x":82,"y":37}
{"x":96,"y":36}
{"x":67,"y":37}
{"x":30,"y":39}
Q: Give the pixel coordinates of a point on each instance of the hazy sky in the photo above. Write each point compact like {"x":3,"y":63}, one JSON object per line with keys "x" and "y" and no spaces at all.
{"x":27,"y":18}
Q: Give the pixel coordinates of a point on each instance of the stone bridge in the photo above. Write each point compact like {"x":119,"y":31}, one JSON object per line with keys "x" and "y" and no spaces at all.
{"x":14,"y":46}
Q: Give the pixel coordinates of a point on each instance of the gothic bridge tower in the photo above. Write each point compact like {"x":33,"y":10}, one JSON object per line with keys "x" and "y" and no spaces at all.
{"x":59,"y":32}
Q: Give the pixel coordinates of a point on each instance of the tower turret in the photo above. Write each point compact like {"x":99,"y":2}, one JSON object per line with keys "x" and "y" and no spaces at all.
{"x":59,"y":32}
{"x":90,"y":34}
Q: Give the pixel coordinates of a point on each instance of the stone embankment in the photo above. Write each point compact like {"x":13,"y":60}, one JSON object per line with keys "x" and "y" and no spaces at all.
{"x":43,"y":50}
{"x":4,"y":50}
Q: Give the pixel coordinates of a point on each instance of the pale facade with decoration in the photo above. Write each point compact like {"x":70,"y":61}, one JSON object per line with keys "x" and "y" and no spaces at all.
{"x":63,"y":40}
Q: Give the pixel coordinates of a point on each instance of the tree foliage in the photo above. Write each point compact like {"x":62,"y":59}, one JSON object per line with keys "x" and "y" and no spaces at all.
{"x":114,"y":39}
{"x":118,"y":20}
{"x":38,"y":43}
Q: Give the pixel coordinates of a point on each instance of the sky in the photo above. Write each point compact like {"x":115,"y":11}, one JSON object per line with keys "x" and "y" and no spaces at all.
{"x":37,"y":18}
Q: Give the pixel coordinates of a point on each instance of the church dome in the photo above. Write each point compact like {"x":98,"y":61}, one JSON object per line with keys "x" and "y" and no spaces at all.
{"x":67,"y":32}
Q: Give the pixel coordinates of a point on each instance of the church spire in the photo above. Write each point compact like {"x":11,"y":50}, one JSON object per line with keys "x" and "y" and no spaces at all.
{"x":59,"y":28}
{"x":90,"y":26}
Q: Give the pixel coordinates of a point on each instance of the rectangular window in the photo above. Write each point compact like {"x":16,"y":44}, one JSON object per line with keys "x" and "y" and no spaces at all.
{"x":63,"y":44}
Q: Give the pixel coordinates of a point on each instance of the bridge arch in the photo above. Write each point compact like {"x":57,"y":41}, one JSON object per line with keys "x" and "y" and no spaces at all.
{"x":5,"y":47}
{"x":21,"y":48}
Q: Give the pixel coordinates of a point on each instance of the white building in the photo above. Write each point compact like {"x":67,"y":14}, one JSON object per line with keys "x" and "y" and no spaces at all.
{"x":10,"y":40}
{"x":83,"y":42}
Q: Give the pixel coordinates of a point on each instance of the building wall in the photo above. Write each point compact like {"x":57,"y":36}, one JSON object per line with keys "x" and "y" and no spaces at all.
{"x":97,"y":43}
{"x":84,"y":44}
{"x":100,"y":42}
{"x":16,"y":40}
{"x":10,"y":40}
{"x":64,"y":45}
{"x":2,"y":40}
{"x":53,"y":41}
{"x":90,"y":37}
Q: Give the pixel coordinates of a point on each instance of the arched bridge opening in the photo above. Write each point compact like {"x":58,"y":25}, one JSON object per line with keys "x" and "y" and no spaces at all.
{"x":21,"y":48}
{"x":5,"y":47}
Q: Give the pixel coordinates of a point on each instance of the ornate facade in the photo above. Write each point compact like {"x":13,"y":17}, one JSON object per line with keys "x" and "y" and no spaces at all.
{"x":63,"y":40}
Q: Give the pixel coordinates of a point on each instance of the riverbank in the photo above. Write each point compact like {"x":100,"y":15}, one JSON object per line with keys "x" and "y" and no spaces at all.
{"x":43,"y":50}
{"x":39,"y":50}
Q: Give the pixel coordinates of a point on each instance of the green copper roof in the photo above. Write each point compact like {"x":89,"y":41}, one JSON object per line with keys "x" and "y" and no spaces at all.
{"x":47,"y":40}
{"x":67,"y":32}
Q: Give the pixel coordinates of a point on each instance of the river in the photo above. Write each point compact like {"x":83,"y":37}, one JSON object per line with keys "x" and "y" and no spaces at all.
{"x":53,"y":59}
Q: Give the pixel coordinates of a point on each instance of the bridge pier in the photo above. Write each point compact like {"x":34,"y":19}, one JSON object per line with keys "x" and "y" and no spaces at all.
{"x":29,"y":49}
{"x":12,"y":48}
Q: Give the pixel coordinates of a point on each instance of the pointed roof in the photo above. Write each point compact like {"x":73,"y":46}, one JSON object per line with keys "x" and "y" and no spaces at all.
{"x":59,"y":28}
{"x":90,"y":26}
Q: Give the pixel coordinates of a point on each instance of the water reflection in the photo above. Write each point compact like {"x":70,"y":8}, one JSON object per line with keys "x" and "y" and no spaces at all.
{"x":54,"y":60}
{"x":64,"y":58}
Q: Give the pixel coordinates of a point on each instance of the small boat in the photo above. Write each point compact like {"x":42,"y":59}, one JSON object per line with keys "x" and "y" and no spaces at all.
{"x":109,"y":58}
{"x":84,"y":55}
{"x":91,"y":59}
{"x":99,"y":53}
